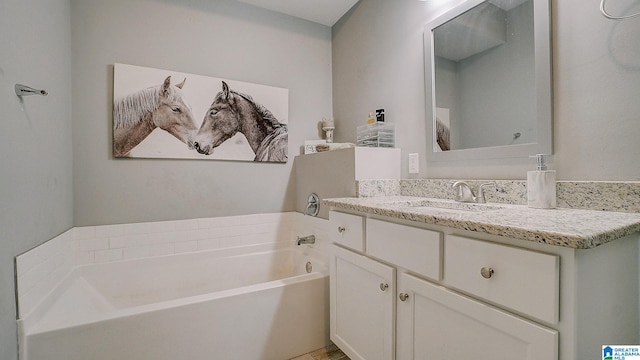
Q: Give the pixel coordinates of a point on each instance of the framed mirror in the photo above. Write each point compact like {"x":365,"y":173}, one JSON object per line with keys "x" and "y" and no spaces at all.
{"x":488,"y":81}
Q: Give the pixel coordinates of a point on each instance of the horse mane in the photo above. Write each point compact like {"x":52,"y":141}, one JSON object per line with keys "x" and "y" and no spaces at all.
{"x":265,"y":113}
{"x":442,"y":135}
{"x":129,"y":110}
{"x":274,"y":146}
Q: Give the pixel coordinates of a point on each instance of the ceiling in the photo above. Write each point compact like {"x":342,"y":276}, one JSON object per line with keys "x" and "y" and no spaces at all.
{"x":325,"y":12}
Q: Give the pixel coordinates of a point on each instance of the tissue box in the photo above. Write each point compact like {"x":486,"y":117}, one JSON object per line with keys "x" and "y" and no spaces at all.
{"x":380,"y":134}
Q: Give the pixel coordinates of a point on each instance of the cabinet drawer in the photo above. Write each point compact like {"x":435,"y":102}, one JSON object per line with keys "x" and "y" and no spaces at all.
{"x":347,"y":230}
{"x":519,"y":279}
{"x":412,"y":248}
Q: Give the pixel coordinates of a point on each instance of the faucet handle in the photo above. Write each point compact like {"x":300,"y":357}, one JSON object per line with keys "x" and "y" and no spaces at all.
{"x":480,"y":197}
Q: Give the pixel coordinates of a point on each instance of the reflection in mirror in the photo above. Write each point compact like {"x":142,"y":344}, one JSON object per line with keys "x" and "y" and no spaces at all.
{"x":488,"y":68}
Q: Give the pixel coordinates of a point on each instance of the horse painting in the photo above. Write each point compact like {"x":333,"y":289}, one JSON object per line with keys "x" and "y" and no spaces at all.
{"x":442,"y":135}
{"x":137,"y":115}
{"x":232,"y":112}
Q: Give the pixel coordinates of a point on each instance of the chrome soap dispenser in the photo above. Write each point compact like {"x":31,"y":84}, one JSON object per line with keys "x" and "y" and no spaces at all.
{"x":541,"y":185}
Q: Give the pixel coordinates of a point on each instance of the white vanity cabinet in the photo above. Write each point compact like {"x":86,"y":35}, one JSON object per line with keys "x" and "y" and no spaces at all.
{"x":362,"y":306}
{"x":419,"y":315}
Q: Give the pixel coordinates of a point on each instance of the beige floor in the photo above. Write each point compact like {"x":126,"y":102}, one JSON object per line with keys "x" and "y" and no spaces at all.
{"x":331,"y":352}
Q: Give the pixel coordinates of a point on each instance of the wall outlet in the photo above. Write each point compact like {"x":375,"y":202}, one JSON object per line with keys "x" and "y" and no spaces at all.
{"x":413,"y":163}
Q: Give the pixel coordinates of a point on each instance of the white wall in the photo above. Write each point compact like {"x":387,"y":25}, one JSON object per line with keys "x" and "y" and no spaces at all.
{"x":220,"y":38}
{"x":36,"y":196}
{"x":378,"y":62}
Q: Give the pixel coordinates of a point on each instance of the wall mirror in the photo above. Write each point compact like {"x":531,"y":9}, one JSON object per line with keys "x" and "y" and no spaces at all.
{"x":488,"y":81}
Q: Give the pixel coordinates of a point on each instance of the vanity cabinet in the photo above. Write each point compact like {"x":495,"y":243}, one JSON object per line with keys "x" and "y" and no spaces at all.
{"x":362,"y":306}
{"x":416,"y":293}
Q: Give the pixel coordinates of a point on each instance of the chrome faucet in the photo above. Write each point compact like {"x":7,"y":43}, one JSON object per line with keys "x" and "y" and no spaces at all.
{"x":309,"y":239}
{"x":466,"y":194}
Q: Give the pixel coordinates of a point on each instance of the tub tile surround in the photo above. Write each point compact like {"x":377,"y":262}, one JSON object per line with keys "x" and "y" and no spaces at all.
{"x":39,"y":270}
{"x":581,"y":224}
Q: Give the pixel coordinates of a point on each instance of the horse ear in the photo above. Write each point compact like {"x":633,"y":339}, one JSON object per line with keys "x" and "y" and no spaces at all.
{"x":179,"y":86}
{"x":165,"y":86}
{"x":225,"y":90}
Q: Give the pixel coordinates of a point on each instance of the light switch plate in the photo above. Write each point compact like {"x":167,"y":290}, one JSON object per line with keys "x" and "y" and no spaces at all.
{"x":413,"y":163}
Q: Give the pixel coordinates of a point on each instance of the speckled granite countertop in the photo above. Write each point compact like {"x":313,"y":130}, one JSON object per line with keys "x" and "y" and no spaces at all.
{"x":574,"y":228}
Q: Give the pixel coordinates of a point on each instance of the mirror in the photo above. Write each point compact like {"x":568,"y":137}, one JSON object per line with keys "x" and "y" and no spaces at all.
{"x":488,"y":77}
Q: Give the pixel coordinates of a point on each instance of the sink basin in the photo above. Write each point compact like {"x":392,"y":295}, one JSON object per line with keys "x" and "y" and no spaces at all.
{"x":455,"y":205}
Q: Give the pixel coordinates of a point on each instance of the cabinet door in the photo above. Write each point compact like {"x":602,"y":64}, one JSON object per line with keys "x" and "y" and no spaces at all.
{"x":435,"y":323}
{"x":362,"y":306}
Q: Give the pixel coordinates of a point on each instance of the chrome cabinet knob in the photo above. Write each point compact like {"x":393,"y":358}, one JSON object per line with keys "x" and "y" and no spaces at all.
{"x":403,"y":296}
{"x":341,"y":229}
{"x":384,"y":286}
{"x":486,"y":272}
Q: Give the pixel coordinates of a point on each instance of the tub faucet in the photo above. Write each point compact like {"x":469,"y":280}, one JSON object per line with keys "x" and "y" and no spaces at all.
{"x":309,"y":239}
{"x":466,"y":194}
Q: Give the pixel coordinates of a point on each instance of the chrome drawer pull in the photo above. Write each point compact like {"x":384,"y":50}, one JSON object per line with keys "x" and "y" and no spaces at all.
{"x":403,"y":296}
{"x":341,"y":229}
{"x":384,"y":286}
{"x":486,"y":272}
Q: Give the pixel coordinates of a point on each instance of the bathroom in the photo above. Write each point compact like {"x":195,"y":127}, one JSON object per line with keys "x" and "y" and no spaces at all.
{"x":58,"y":171}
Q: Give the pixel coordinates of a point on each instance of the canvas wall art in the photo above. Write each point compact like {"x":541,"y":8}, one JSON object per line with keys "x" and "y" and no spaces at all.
{"x":168,"y":114}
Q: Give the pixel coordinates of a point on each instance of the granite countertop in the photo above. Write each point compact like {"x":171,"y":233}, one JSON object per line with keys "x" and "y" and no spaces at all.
{"x":573,"y":228}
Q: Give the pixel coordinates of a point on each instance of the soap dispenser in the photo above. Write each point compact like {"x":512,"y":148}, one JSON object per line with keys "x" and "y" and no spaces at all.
{"x":541,"y":185}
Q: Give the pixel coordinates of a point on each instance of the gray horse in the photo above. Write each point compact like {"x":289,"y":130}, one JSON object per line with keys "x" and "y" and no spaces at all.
{"x":232,"y":112}
{"x":137,"y":115}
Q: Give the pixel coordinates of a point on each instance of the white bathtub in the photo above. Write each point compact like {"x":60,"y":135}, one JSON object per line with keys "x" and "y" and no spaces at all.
{"x":246,"y":303}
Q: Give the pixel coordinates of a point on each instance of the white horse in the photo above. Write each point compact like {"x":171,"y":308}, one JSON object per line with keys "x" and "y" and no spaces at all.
{"x":137,"y":115}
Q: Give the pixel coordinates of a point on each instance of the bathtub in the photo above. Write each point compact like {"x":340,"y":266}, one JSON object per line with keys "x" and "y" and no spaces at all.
{"x":245,"y":303}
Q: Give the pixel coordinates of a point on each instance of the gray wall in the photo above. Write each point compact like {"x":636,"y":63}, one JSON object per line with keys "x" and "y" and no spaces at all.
{"x":491,"y":91}
{"x":36,"y":196}
{"x":377,"y":62}
{"x":219,"y":38}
